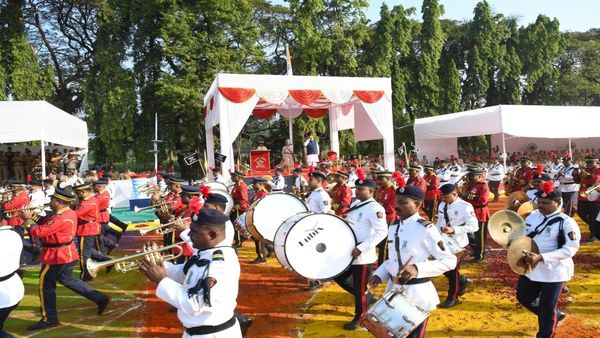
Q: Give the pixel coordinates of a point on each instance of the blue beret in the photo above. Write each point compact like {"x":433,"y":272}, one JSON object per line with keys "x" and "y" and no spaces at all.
{"x":259,"y":180}
{"x":210,"y":217}
{"x":190,"y":189}
{"x":447,"y":188}
{"x":317,"y":175}
{"x":411,"y":191}
{"x":216,"y":198}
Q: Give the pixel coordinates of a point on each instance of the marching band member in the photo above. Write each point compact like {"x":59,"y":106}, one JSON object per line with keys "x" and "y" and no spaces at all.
{"x":476,"y":192}
{"x":20,"y":199}
{"x":454,"y":170}
{"x":557,"y":236}
{"x":103,"y":199}
{"x":414,"y":177}
{"x":554,"y":169}
{"x":263,"y":251}
{"x":495,"y":177}
{"x":174,"y":206}
{"x":568,"y":187}
{"x":431,"y":191}
{"x":385,"y":195}
{"x":278,"y":182}
{"x":239,"y":193}
{"x":588,"y":209}
{"x":443,"y":172}
{"x":538,"y":180}
{"x":412,"y":240}
{"x":88,"y":230}
{"x":204,"y":289}
{"x":11,"y":285}
{"x":456,"y":218}
{"x":59,"y":256}
{"x":219,"y":202}
{"x":318,"y":200}
{"x":367,"y":219}
{"x":300,"y":184}
{"x":341,"y":194}
{"x":191,"y":205}
{"x":352,"y":177}
{"x":523,"y":176}
{"x":218,"y":175}
{"x":48,"y":189}
{"x":37,"y":198}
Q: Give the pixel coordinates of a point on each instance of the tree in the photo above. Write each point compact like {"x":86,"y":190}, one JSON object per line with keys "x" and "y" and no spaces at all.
{"x":580,"y":70}
{"x":505,"y":87}
{"x":451,"y":90}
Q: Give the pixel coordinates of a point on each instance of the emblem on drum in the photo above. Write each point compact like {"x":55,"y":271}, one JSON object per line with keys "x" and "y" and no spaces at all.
{"x":312,"y":234}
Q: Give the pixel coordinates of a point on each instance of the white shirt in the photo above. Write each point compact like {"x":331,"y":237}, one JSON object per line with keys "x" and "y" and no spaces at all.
{"x":566,"y":180}
{"x":461,"y":216}
{"x":278,"y":183}
{"x":419,"y":241}
{"x":300,"y":182}
{"x":443,"y":174}
{"x":370,"y":228}
{"x":221,"y":179}
{"x":531,"y":194}
{"x":554,"y":170}
{"x":496,"y":173}
{"x":352,"y":177}
{"x":37,"y":198}
{"x":12,"y":289}
{"x":319,"y":201}
{"x":193,"y":311}
{"x":557,"y":264}
{"x":74,"y":180}
{"x":48,"y":192}
{"x":454,"y":173}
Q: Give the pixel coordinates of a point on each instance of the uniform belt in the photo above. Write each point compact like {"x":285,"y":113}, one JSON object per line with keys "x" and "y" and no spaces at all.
{"x":103,"y":210}
{"x":495,"y":174}
{"x":3,"y":278}
{"x":481,"y":207}
{"x":85,"y":222}
{"x":56,"y":245}
{"x":210,"y":329}
{"x":443,"y":181}
{"x":413,"y":281}
{"x":277,"y":189}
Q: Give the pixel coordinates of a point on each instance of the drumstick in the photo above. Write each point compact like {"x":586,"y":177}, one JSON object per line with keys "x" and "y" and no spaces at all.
{"x":398,"y":275}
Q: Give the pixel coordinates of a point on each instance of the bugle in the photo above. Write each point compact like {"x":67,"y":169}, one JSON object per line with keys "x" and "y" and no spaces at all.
{"x":159,"y":228}
{"x":132,"y":262}
{"x":14,"y":212}
{"x":137,"y":209}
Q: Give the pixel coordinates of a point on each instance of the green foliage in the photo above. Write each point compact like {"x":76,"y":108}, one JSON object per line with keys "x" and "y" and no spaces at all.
{"x":580,"y":70}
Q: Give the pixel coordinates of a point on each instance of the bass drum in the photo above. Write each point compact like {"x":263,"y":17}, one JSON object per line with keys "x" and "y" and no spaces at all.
{"x":315,"y":245}
{"x":266,"y":215}
{"x":216,"y":186}
{"x":230,"y":203}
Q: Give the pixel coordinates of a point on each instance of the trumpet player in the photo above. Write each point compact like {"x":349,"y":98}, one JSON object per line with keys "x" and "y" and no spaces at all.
{"x":88,"y":229}
{"x":205,"y":289}
{"x":103,"y":199}
{"x":341,"y":193}
{"x":239,"y":193}
{"x":19,"y":200}
{"x":174,"y":205}
{"x":59,"y":256}
{"x":431,"y":192}
{"x":477,"y":192}
{"x":587,"y":207}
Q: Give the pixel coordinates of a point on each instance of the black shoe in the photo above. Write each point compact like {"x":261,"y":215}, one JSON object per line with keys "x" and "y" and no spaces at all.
{"x":351,"y":326}
{"x":110,"y":248}
{"x":245,"y":323}
{"x":313,"y":285}
{"x":109,"y":268}
{"x":449,"y":303}
{"x":476,"y":259}
{"x":560,"y":315}
{"x":102,"y":305}
{"x":87,"y":278}
{"x":258,"y":260}
{"x":270,"y":251}
{"x":464,"y":286}
{"x":41,"y":325}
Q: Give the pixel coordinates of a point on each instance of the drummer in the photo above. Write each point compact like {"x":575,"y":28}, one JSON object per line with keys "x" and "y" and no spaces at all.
{"x":409,"y":256}
{"x":557,"y":236}
{"x":456,"y":219}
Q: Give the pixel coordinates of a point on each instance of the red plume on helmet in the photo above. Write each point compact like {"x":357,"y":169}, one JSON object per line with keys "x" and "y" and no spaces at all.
{"x":311,"y":169}
{"x":195,"y":204}
{"x":397,"y":176}
{"x":205,"y":191}
{"x":360,"y":172}
{"x":548,"y":187}
{"x":539,"y":169}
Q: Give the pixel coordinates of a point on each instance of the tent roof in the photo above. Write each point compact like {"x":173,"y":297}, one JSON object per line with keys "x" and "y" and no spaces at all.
{"x":24,"y":121}
{"x":516,"y":120}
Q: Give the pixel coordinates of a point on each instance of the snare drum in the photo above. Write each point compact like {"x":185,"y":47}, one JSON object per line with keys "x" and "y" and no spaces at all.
{"x":266,"y":215}
{"x":315,"y":245}
{"x":452,"y":244}
{"x":393,"y":316}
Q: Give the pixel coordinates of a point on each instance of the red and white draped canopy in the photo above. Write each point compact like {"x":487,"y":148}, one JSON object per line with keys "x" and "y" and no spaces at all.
{"x":362,"y":104}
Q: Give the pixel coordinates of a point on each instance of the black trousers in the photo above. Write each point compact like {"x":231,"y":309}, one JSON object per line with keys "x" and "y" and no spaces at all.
{"x":89,"y":247}
{"x":528,"y":291}
{"x":63,"y":273}
{"x":354,"y":281}
{"x":419,"y":331}
{"x":588,"y":211}
{"x":114,"y":220}
{"x":494,"y":187}
{"x":104,"y":239}
{"x":4,"y":312}
{"x":454,"y":281}
{"x":568,"y":203}
{"x":477,"y":241}
{"x":34,"y":247}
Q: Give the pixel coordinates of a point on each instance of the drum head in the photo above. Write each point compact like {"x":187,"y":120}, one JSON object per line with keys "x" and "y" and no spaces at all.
{"x":266,"y":215}
{"x":319,"y":246}
{"x":216,"y":186}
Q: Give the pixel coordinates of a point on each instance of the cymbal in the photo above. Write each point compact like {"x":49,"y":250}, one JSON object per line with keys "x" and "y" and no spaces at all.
{"x":514,"y":200}
{"x":525,"y":209}
{"x":505,"y":225}
{"x":516,"y":257}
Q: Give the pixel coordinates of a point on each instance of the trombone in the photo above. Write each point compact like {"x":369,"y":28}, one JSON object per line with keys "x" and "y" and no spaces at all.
{"x":160,"y":205}
{"x":132,"y":262}
{"x":159,"y":228}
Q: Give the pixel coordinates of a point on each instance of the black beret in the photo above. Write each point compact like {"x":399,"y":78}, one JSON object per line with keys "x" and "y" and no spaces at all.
{"x":101,"y":181}
{"x":63,"y":195}
{"x":175,"y":180}
{"x":191,"y":189}
{"x":210,"y":217}
{"x":48,"y":181}
{"x":216,"y":198}
{"x":15,"y":182}
{"x":85,"y":186}
{"x":476,"y":171}
{"x":367,"y":182}
{"x":555,"y":195}
{"x":317,"y":175}
{"x":414,"y":167}
{"x":279,"y":169}
{"x":428,"y":167}
{"x":411,"y":191}
{"x":259,"y":180}
{"x":543,"y":177}
{"x":447,"y":188}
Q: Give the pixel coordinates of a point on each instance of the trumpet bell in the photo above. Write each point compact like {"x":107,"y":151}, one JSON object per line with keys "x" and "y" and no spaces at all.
{"x":514,"y":200}
{"x":516,"y":257}
{"x":506,"y":225}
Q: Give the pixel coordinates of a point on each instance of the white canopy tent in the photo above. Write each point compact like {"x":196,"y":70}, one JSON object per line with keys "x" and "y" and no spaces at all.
{"x":25,"y":121}
{"x":362,"y":104}
{"x":512,"y":128}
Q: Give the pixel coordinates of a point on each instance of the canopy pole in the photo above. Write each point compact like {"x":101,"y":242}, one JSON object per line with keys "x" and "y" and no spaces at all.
{"x":504,"y":154}
{"x":43,"y":146}
{"x":155,"y":144}
{"x":570,"y":151}
{"x":291,"y":131}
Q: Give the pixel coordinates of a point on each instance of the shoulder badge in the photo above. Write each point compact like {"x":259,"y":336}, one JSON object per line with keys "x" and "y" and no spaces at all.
{"x":425,"y":222}
{"x":379,"y":214}
{"x":441,"y":245}
{"x":572,"y":235}
{"x":325,"y":202}
{"x":218,"y":256}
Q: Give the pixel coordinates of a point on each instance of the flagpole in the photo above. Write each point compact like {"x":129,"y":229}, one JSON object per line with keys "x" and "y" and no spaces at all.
{"x":289,"y":72}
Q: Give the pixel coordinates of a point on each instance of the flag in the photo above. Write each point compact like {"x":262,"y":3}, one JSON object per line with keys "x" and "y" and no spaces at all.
{"x":289,"y":71}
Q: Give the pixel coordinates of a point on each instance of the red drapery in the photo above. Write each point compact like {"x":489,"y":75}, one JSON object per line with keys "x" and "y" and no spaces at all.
{"x":237,"y":95}
{"x":369,"y":96}
{"x":305,"y":96}
{"x":315,"y":113}
{"x":264,"y":113}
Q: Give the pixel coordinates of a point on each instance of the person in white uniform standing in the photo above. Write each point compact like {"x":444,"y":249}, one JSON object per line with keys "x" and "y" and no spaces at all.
{"x":318,"y":200}
{"x":278,"y":182}
{"x":454,"y":170}
{"x":557,"y":236}
{"x":204,"y":289}
{"x":412,"y":241}
{"x":456,"y":220}
{"x":11,"y":286}
{"x":495,"y":177}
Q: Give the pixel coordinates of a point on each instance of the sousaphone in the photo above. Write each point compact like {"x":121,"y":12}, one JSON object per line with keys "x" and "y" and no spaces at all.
{"x":505,"y":225}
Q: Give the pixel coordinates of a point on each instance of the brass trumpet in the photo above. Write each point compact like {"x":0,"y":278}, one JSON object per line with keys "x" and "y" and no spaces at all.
{"x":13,"y":212}
{"x":159,"y":228}
{"x":160,"y":205}
{"x":132,"y":262}
{"x":148,"y":189}
{"x":587,"y":193}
